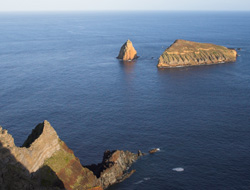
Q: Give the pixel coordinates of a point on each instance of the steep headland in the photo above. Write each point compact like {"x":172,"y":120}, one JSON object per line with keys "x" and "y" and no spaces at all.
{"x":45,"y":162}
{"x":187,"y":53}
{"x":127,"y":52}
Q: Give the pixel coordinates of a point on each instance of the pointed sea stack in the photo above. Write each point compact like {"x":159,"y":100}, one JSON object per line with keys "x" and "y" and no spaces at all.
{"x":127,"y":52}
{"x":186,"y":53}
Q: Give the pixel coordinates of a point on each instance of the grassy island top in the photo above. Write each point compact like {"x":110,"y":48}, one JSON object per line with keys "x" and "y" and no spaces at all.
{"x":184,"y":46}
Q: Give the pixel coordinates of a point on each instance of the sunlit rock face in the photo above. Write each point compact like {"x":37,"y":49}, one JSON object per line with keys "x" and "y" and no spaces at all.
{"x":41,"y":144}
{"x":127,"y":52}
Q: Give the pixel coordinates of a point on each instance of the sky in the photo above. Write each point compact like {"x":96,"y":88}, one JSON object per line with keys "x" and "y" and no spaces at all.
{"x":89,"y":5}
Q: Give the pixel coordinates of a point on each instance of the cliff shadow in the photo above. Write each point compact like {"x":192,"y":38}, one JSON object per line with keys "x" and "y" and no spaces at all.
{"x":14,"y":176}
{"x":35,"y":134}
{"x":47,"y":178}
{"x":97,"y":169}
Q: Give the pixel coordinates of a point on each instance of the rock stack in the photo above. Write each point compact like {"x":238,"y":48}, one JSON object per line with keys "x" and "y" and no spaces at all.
{"x":127,"y":52}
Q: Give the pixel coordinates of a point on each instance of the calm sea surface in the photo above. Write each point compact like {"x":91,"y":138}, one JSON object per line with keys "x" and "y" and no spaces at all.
{"x":62,"y":67}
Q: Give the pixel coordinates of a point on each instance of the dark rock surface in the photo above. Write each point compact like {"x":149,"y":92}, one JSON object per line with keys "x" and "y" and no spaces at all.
{"x":114,"y":167}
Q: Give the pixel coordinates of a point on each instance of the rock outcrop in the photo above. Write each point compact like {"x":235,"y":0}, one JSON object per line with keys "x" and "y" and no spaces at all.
{"x":127,"y":52}
{"x":40,"y":145}
{"x":186,"y":53}
{"x":154,"y":150}
{"x":114,"y":167}
{"x":45,"y":162}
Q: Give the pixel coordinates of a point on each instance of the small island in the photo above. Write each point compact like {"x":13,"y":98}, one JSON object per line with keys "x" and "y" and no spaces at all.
{"x":187,"y":53}
{"x":127,"y":52}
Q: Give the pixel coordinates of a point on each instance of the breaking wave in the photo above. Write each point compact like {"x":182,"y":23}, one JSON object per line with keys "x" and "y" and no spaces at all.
{"x":178,"y":169}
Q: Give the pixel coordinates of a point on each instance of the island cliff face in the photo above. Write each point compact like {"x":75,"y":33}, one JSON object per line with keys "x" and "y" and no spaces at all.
{"x":127,"y":52}
{"x":45,"y":162}
{"x":186,"y":53}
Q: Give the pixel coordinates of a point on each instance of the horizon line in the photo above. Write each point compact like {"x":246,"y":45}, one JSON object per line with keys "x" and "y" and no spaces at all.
{"x":123,"y":10}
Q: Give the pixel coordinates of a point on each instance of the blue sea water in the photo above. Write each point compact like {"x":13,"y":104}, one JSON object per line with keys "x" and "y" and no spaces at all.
{"x":62,"y":67}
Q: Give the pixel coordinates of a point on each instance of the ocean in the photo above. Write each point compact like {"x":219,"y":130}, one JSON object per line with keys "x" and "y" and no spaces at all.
{"x":62,"y":67}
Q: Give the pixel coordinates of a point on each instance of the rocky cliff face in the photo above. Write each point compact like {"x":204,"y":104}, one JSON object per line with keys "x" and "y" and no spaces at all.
{"x":45,"y":162}
{"x":41,"y":144}
{"x":187,"y":53}
{"x":127,"y":52}
{"x":113,"y":168}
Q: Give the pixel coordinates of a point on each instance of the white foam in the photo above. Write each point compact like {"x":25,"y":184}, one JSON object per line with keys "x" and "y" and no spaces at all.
{"x":138,"y":182}
{"x":141,"y":181}
{"x":178,"y":169}
{"x":158,"y":149}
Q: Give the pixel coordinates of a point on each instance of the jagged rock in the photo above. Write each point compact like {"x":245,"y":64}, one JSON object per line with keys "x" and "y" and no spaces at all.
{"x":140,"y":153}
{"x":154,"y":150}
{"x":186,"y":53}
{"x":44,"y":162}
{"x":38,"y":149}
{"x":115,"y":163}
{"x":114,"y":167}
{"x":127,"y":52}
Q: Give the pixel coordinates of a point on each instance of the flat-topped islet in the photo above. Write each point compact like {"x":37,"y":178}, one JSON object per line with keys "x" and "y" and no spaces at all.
{"x":127,"y":52}
{"x":187,"y":53}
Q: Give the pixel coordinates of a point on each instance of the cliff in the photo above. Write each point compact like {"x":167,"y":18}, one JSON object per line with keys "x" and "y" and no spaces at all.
{"x":127,"y":52}
{"x":112,"y":168}
{"x":186,"y":53}
{"x":45,"y":162}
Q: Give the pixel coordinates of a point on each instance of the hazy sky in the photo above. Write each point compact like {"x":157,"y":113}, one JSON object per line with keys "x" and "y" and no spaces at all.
{"x":50,"y":5}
